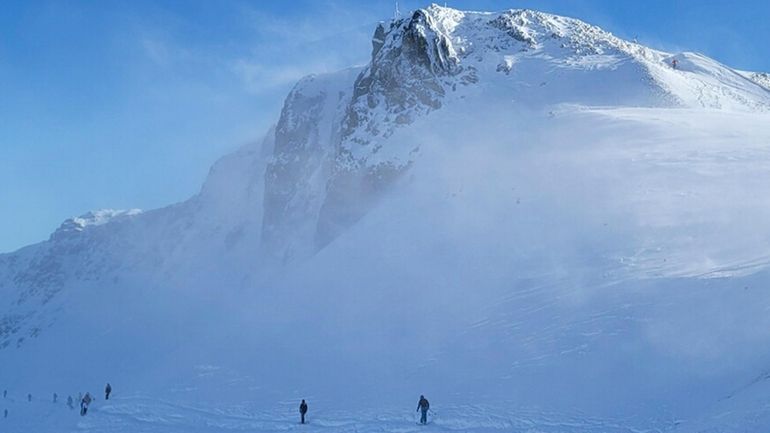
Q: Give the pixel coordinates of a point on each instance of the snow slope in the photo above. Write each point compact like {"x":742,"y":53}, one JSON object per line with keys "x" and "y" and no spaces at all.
{"x":140,"y":414}
{"x":538,"y":225}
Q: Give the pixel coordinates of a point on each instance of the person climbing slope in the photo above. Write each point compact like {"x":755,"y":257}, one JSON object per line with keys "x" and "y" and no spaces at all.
{"x":422,"y":407}
{"x":84,"y":403}
{"x":302,"y":411}
{"x":107,"y":391}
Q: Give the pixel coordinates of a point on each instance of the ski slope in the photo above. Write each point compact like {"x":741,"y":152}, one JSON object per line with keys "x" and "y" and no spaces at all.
{"x":140,"y":414}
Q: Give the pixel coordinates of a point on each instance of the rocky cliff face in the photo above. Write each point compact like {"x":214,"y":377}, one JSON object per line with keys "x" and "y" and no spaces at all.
{"x":306,"y":142}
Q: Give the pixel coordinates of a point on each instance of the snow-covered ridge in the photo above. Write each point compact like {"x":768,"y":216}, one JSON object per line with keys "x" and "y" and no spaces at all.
{"x":761,"y":78}
{"x":93,"y":219}
{"x":418,"y":61}
{"x":439,"y":56}
{"x":424,"y":61}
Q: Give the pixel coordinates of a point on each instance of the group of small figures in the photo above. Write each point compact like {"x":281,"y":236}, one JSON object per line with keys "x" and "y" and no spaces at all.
{"x":84,"y":399}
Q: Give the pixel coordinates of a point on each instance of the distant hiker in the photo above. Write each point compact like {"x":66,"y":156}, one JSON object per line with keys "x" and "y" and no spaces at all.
{"x":674,"y":63}
{"x":55,"y":397}
{"x":423,"y":407}
{"x":84,"y":404}
{"x":70,"y":403}
{"x":107,"y":391}
{"x":29,"y":397}
{"x":302,"y":411}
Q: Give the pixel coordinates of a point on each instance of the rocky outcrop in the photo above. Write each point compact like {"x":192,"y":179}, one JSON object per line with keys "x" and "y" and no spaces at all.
{"x":761,"y":78}
{"x":404,"y":80}
{"x":306,"y":142}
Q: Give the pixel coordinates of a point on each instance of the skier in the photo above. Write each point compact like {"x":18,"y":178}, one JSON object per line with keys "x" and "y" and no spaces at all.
{"x":5,"y":393}
{"x":55,"y":397}
{"x":70,"y":403}
{"x":107,"y":391}
{"x":302,"y":411}
{"x":423,"y":407}
{"x":674,"y":63}
{"x":29,"y":397}
{"x":84,"y":404}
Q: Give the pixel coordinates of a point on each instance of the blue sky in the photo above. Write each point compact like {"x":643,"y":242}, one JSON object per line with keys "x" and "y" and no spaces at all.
{"x":125,"y":104}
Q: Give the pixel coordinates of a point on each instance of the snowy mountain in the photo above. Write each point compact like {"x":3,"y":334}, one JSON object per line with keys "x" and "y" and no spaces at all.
{"x":541,"y":226}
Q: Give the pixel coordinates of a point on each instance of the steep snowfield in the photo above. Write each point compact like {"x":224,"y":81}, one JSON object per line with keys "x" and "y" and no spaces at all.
{"x":536,"y":224}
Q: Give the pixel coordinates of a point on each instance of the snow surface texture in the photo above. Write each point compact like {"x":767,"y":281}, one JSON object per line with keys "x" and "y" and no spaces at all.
{"x":539,"y":226}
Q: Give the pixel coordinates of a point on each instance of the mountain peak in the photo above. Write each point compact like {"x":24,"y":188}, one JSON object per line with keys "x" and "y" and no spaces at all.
{"x":493,"y":30}
{"x":91,"y":219}
{"x":422,"y":62}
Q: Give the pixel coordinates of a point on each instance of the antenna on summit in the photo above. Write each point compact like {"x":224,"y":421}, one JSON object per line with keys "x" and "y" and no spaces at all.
{"x":397,"y":13}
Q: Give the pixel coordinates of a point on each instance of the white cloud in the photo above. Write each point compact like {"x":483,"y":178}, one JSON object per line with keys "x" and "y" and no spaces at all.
{"x":258,"y":77}
{"x":284,"y":50}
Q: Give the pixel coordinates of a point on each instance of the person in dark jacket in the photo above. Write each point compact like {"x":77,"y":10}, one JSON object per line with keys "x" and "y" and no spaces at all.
{"x":107,"y":391}
{"x":422,"y":407}
{"x":302,"y":411}
{"x":84,"y":403}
